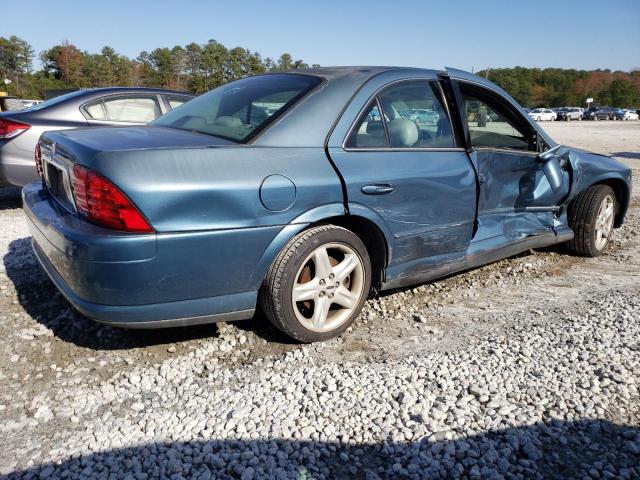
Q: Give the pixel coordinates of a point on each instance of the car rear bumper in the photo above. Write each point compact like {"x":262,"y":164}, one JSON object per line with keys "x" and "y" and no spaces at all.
{"x":146,"y":281}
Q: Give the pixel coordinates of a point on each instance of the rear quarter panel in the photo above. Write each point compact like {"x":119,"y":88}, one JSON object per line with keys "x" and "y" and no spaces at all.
{"x":214,"y":188}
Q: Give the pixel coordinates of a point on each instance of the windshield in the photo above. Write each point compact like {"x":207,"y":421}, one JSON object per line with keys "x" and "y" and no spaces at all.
{"x":239,"y":110}
{"x":537,"y":110}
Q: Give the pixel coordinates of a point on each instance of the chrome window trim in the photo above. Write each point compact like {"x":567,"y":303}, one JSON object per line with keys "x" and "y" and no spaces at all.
{"x":388,"y":148}
{"x":506,"y":150}
{"x":406,"y":149}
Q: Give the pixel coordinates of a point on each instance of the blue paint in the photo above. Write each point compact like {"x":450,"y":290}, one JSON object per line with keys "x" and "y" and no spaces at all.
{"x":277,"y":193}
{"x":223,"y":211}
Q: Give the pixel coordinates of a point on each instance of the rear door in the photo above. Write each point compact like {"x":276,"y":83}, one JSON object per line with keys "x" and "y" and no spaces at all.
{"x":402,"y":166}
{"x":515,"y":198}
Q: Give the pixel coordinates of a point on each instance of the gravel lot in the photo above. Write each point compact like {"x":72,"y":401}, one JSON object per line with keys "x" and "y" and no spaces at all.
{"x":526,"y":368}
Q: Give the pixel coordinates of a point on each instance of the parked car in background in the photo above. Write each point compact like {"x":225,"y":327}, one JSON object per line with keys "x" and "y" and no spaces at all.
{"x":596,"y":113}
{"x":30,"y":103}
{"x":569,"y":113}
{"x":542,"y":114}
{"x":422,"y":115}
{"x":10,"y":104}
{"x":627,"y":114}
{"x":20,"y":130}
{"x":218,"y":208}
{"x":615,"y":113}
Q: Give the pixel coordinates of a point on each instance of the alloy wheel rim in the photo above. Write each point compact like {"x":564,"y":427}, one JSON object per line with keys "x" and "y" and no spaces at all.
{"x":328,"y":287}
{"x":604,"y":222}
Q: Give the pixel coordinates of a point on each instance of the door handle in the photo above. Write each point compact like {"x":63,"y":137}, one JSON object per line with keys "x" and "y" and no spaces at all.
{"x":378,"y":189}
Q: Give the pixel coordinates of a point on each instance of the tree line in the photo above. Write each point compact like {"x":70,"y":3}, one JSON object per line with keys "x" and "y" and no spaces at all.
{"x":558,"y":87}
{"x":193,"y":67}
{"x":201,"y":67}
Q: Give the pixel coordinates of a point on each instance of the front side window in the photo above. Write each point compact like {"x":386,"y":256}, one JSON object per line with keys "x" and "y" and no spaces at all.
{"x":490,"y":122}
{"x":239,"y":110}
{"x":412,"y":116}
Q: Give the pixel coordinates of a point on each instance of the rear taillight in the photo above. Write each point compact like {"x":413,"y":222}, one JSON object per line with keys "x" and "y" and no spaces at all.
{"x":38,"y":156}
{"x":11,"y":128}
{"x":102,"y":203}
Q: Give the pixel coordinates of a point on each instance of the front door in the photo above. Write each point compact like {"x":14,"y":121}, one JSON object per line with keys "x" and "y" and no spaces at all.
{"x":401,"y":164}
{"x":515,"y":198}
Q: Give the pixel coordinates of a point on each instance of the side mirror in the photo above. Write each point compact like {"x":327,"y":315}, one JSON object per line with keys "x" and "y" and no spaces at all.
{"x":551,"y":167}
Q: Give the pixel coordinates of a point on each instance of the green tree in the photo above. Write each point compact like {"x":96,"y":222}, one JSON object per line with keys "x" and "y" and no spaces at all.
{"x":16,"y":56}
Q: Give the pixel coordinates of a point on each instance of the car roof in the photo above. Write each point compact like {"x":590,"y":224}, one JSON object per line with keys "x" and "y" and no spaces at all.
{"x":309,"y":122}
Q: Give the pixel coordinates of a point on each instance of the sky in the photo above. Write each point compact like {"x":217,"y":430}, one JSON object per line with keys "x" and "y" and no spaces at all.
{"x":582,"y":34}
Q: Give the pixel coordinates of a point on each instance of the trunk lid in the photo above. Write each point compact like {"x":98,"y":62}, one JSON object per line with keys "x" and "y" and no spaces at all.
{"x":61,"y":149}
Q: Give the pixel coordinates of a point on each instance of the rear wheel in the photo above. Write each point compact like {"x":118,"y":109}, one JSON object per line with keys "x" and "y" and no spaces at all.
{"x":591,"y":216}
{"x":318,"y":284}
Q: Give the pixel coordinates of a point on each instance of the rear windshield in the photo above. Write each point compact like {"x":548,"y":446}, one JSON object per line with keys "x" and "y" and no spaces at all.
{"x":55,"y":101}
{"x":239,"y":110}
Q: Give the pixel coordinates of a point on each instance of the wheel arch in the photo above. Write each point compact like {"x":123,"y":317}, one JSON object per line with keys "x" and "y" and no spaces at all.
{"x":372,"y":237}
{"x":360,"y":222}
{"x":623,"y":196}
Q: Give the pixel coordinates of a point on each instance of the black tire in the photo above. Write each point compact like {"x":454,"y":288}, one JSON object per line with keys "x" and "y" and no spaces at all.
{"x":276,"y":292}
{"x":582,"y":214}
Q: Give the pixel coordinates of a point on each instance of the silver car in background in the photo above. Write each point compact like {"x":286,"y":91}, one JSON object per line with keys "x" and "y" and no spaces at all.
{"x":569,"y":113}
{"x":20,"y":130}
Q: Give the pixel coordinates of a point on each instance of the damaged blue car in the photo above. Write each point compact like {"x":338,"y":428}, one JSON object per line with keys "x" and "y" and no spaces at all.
{"x":300,"y":193}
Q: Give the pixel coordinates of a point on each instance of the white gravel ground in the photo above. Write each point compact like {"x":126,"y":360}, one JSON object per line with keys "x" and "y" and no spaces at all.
{"x":527,"y":368}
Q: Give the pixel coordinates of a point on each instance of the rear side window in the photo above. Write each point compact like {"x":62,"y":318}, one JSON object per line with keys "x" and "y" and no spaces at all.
{"x":412,"y":116}
{"x":125,"y":109}
{"x":369,"y":131}
{"x":239,"y":110}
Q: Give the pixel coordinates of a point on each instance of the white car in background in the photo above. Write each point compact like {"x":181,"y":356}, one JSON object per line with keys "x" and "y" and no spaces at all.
{"x":542,"y":114}
{"x":630,"y":115}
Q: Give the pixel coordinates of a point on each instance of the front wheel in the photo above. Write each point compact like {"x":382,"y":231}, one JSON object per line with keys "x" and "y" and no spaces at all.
{"x":318,"y":284}
{"x":591,"y":217}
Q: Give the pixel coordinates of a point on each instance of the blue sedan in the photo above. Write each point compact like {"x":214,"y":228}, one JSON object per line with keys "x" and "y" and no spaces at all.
{"x":302,"y":192}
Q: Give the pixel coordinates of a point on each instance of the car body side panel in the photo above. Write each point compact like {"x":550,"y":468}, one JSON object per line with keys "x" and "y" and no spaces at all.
{"x":200,"y":187}
{"x":432,"y":209}
{"x":144,"y":269}
{"x":222,"y":188}
{"x":17,"y":164}
{"x":591,"y":168}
